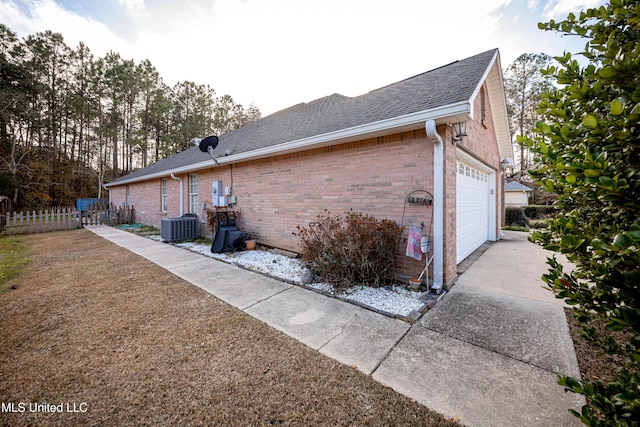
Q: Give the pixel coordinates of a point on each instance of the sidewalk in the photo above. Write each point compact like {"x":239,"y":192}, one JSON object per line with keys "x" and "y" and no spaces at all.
{"x":488,"y":352}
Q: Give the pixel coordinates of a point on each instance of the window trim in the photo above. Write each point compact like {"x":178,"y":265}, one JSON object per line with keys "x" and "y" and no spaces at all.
{"x":163,"y":195}
{"x":193,"y":196}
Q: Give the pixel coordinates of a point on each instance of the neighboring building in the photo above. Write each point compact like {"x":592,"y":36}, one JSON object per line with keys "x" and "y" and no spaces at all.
{"x":516,"y":194}
{"x":366,"y":153}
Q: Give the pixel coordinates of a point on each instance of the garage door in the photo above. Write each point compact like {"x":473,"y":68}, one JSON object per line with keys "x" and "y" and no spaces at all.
{"x":472,"y":210}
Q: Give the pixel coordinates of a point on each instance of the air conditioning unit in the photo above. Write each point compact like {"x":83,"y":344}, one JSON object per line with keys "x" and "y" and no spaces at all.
{"x":176,"y":229}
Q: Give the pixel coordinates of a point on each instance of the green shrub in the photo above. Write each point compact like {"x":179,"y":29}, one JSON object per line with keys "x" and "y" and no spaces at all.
{"x":514,"y":215}
{"x":588,"y":154}
{"x":352,"y":249}
{"x":515,"y":228}
{"x":539,"y":211}
{"x":538,"y":223}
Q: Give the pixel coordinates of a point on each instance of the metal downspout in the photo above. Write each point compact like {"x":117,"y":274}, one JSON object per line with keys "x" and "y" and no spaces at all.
{"x":107,"y":189}
{"x":438,"y":203}
{"x":181,"y":196}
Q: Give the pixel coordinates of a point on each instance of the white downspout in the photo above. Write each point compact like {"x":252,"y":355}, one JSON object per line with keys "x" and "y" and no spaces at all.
{"x":438,"y":203}
{"x":181,"y":196}
{"x":109,"y":190}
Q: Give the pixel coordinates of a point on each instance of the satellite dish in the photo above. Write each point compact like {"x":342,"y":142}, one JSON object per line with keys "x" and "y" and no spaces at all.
{"x":208,"y":143}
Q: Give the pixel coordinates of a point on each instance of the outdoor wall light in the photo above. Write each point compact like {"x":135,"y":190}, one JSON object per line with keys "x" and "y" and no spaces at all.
{"x":460,"y":130}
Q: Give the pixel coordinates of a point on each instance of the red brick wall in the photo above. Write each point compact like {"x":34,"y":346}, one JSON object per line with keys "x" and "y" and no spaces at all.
{"x":450,"y":176}
{"x":117,"y":195}
{"x":481,"y":139}
{"x":373,"y":176}
{"x":276,"y":194}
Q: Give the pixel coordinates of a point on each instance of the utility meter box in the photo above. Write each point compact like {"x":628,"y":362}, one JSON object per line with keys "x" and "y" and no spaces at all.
{"x":216,"y":193}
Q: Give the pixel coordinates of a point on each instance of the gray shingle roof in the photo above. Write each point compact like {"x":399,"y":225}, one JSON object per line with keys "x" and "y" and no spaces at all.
{"x":446,"y":85}
{"x":516,"y":186}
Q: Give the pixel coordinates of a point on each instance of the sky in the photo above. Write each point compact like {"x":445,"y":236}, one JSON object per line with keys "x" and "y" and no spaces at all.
{"x":278,"y":53}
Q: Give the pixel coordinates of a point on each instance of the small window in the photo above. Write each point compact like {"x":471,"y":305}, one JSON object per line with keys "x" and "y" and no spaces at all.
{"x":163,"y":195}
{"x":193,"y":193}
{"x":473,"y":173}
{"x":467,"y":171}
{"x":460,"y":168}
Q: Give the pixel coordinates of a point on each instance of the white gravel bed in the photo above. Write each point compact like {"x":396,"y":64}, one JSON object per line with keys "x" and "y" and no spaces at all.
{"x":399,"y":301}
{"x":395,"y":301}
{"x":271,"y":263}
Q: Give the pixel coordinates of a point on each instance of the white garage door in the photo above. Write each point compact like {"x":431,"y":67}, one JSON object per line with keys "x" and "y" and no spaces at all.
{"x":472,"y":210}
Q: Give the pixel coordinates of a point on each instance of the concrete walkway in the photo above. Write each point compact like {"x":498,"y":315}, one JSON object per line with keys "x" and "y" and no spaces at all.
{"x":488,"y":352}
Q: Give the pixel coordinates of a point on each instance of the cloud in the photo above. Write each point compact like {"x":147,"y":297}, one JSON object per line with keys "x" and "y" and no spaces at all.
{"x":134,"y":7}
{"x":560,"y":9}
{"x":40,"y":15}
{"x":282,"y":52}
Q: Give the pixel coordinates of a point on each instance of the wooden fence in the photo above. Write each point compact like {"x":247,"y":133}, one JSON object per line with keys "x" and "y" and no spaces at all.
{"x":109,"y":215}
{"x":56,"y":219}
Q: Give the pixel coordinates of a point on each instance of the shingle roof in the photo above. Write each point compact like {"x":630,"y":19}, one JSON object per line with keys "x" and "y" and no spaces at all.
{"x":446,"y":85}
{"x":516,"y":186}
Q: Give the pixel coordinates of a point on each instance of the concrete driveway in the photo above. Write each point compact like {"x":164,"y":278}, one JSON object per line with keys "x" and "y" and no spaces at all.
{"x":490,"y":350}
{"x":487,"y":353}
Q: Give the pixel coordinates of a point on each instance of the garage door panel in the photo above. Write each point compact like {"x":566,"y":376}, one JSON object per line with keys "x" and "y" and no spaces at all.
{"x":472,"y":210}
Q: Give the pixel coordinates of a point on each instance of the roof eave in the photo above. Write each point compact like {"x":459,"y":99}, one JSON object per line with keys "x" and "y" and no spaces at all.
{"x":498,"y":97}
{"x":163,"y":174}
{"x":495,"y":85}
{"x":446,"y":114}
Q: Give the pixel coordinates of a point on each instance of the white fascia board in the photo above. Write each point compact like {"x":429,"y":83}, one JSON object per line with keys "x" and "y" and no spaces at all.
{"x":351,"y":133}
{"x":497,"y":98}
{"x":165,"y":173}
{"x":439,"y":114}
{"x":485,"y":75}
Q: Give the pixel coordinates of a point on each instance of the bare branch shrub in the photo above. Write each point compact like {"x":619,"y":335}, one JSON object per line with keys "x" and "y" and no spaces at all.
{"x":351,"y":249}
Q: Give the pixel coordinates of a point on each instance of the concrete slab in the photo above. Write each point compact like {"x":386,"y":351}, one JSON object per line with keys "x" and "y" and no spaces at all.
{"x":513,"y":266}
{"x":103,"y":230}
{"x":168,"y":256}
{"x":163,"y":254}
{"x":487,"y":352}
{"x":307,"y":316}
{"x":481,"y":387}
{"x":122,"y":238}
{"x":221,"y":280}
{"x":365,"y":340}
{"x":530,"y":331}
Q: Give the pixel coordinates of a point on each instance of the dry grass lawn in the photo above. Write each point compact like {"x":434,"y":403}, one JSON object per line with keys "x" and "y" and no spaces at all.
{"x":93,"y":323}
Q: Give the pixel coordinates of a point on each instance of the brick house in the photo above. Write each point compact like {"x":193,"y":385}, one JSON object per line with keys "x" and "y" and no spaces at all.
{"x":366,"y":153}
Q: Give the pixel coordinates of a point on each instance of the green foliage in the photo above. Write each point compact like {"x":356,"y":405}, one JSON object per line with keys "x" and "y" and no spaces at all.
{"x":538,"y":223}
{"x":589,"y":150}
{"x":515,"y":228}
{"x":514,"y":215}
{"x":524,"y":86}
{"x":69,"y":121}
{"x":353,"y":249}
{"x":14,"y":256}
{"x":539,"y":211}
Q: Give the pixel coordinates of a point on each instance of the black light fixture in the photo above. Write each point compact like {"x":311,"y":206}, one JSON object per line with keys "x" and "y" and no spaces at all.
{"x":460,"y":130}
